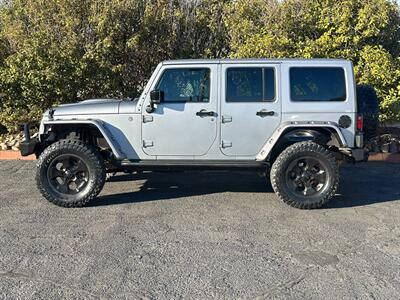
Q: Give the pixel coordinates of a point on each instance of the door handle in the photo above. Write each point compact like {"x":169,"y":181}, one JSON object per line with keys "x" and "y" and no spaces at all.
{"x":205,"y":113}
{"x":265,"y":113}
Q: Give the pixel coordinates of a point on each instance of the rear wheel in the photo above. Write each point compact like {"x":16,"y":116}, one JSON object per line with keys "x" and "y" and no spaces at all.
{"x":305,"y":175}
{"x":70,"y":173}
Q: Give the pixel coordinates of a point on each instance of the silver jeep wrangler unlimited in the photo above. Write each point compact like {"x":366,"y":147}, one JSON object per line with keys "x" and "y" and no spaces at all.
{"x":291,"y":119}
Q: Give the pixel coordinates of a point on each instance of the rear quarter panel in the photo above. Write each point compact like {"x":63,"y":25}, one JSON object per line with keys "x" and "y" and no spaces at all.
{"x":321,"y":111}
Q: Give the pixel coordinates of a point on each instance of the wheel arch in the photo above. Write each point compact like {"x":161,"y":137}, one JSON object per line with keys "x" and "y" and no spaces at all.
{"x":97,"y":130}
{"x":327,"y":133}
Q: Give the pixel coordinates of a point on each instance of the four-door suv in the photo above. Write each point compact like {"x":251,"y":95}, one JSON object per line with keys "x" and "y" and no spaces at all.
{"x":292,"y":119}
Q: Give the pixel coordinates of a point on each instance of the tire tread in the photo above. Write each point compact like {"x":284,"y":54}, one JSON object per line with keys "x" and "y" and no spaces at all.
{"x":286,"y":155}
{"x":75,"y":145}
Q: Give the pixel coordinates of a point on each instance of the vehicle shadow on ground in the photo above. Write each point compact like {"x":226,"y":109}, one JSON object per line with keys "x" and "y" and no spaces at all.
{"x":357,"y":187}
{"x":367,"y":184}
{"x":171,"y":185}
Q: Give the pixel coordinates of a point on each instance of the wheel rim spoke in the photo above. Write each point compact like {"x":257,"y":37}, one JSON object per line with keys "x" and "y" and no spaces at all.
{"x":320,"y":175}
{"x":62,"y":188}
{"x":302,"y":165}
{"x":80,"y":167}
{"x":66,"y":162}
{"x":307,"y":190}
{"x":311,"y":163}
{"x":80,"y":182}
{"x":55,"y":173}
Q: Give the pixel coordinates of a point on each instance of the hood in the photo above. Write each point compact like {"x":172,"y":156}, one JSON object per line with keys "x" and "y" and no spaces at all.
{"x":88,"y":107}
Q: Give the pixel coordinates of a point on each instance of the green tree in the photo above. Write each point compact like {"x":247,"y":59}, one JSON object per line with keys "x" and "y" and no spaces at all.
{"x":58,"y":51}
{"x":67,"y":50}
{"x":367,"y":32}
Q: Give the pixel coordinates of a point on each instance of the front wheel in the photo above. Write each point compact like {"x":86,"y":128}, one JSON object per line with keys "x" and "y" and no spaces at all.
{"x":305,"y":175}
{"x":70,"y":173}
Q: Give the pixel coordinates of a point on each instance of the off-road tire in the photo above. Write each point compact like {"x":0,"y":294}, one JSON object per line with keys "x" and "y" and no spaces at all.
{"x":94,"y":163}
{"x":278,"y":174}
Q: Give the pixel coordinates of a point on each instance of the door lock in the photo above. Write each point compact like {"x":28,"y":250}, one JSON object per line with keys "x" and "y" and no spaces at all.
{"x":147,"y":119}
{"x":226,"y":144}
{"x":226,"y":119}
{"x":147,"y":143}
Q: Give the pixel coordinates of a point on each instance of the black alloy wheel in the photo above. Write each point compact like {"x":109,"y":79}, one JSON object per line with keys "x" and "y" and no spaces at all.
{"x":305,"y":175}
{"x":70,"y":173}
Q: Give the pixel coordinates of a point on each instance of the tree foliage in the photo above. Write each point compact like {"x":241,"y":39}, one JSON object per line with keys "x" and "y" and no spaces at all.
{"x":58,"y":51}
{"x":366,"y":32}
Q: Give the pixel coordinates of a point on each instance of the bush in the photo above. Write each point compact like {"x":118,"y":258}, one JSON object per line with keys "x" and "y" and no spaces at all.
{"x":58,"y":51}
{"x":366,"y":32}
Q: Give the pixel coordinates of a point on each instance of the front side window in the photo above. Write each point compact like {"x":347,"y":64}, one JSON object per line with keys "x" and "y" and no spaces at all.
{"x":185,"y":85}
{"x":250,"y":85}
{"x":317,"y":84}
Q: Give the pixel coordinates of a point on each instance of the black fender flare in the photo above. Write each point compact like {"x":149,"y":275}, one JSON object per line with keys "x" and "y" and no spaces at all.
{"x":292,"y":132}
{"x":101,"y":126}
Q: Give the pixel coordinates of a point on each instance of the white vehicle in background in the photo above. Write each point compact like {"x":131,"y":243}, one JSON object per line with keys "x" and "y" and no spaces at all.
{"x":292,"y":118}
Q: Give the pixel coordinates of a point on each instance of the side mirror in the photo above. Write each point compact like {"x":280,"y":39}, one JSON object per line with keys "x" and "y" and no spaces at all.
{"x":156,"y":97}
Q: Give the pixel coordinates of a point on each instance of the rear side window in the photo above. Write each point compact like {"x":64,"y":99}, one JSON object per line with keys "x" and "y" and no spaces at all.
{"x":317,"y":84}
{"x":250,"y":85}
{"x":185,"y":85}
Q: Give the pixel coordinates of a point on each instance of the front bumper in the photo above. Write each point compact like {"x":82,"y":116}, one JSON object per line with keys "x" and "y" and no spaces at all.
{"x":29,"y":147}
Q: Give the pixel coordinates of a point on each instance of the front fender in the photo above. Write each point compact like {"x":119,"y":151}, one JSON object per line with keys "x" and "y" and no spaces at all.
{"x":269,"y":144}
{"x":114,"y":145}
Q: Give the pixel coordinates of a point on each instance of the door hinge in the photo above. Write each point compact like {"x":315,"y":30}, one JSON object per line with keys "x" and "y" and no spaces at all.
{"x":147,"y":119}
{"x":226,"y":119}
{"x":147,"y":143}
{"x":226,"y":144}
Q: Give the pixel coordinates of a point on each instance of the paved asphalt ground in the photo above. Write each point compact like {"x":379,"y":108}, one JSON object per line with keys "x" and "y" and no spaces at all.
{"x":201,"y":236}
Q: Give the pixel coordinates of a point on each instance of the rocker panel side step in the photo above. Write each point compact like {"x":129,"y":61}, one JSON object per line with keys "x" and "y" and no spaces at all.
{"x":192,"y":165}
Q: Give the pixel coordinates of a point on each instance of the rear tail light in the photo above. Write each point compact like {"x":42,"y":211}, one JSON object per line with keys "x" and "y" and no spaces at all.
{"x":360,"y":122}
